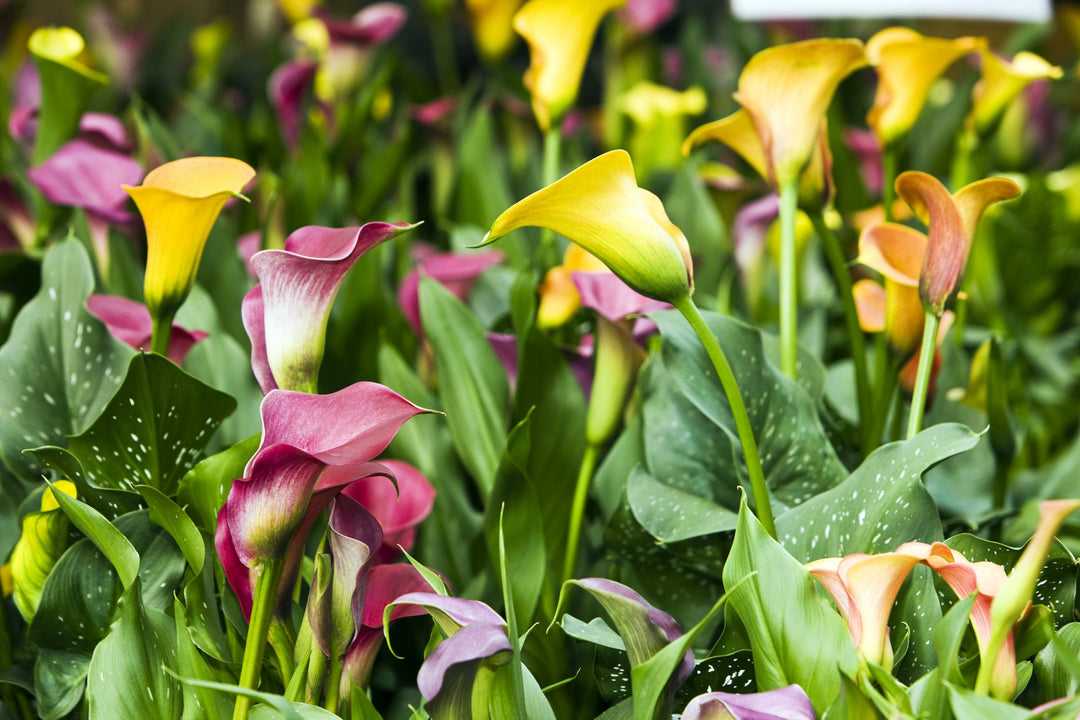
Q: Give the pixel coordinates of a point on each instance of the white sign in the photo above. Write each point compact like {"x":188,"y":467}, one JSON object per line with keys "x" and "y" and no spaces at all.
{"x":1026,"y":11}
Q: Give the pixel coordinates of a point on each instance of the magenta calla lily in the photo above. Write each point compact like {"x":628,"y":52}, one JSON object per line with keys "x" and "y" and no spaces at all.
{"x":456,"y":271}
{"x":287,"y":87}
{"x":786,"y":703}
{"x":398,"y":509}
{"x":129,"y":322}
{"x":373,"y":25}
{"x":285,"y":315}
{"x":611,"y":298}
{"x":82,"y":174}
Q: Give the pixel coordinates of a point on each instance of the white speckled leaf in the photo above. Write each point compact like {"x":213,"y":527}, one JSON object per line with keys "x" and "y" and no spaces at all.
{"x":59,"y":367}
{"x":153,"y":430}
{"x":880,"y":505}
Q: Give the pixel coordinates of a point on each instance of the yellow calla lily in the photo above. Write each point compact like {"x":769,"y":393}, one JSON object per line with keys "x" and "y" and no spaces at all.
{"x":659,"y":114}
{"x":63,"y":46}
{"x":44,"y":539}
{"x":1002,"y":81}
{"x":907,"y":64}
{"x":559,"y":297}
{"x":559,"y":33}
{"x":897,"y":252}
{"x":492,"y":26}
{"x":600,"y":207}
{"x":297,"y":10}
{"x":786,"y":90}
{"x":179,"y":202}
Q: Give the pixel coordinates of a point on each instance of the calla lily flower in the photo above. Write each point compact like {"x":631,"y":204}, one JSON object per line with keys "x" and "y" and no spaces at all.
{"x":129,"y":322}
{"x":907,"y":64}
{"x":312,"y":445}
{"x":66,"y":86}
{"x":287,"y":87}
{"x":1002,"y":81}
{"x":455,"y":271}
{"x":559,"y":297}
{"x":952,"y":223}
{"x":492,"y":24}
{"x":600,"y":207}
{"x":749,"y":233}
{"x":645,"y":16}
{"x":559,"y":33}
{"x":897,"y":252}
{"x":179,"y":202}
{"x":864,"y":144}
{"x":786,"y":703}
{"x":44,"y":539}
{"x":285,"y":315}
{"x":786,"y":90}
{"x":864,"y":588}
{"x":659,"y":114}
{"x":738,"y":132}
{"x":397,"y":509}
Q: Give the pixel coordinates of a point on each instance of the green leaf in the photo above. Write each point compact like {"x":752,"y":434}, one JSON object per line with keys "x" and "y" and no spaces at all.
{"x":202,"y":614}
{"x":596,"y":631}
{"x":513,"y":504}
{"x":966,"y":705}
{"x":472,"y":382}
{"x":502,"y":705}
{"x":110,"y":541}
{"x":204,"y":488}
{"x":929,"y":693}
{"x":797,"y":457}
{"x":275,"y":707}
{"x":671,"y":514}
{"x":153,"y":430}
{"x":1057,"y":667}
{"x":221,"y":363}
{"x":719,"y":673}
{"x":199,"y":703}
{"x":801,"y":639}
{"x":126,"y":678}
{"x":111,"y":503}
{"x":880,"y":505}
{"x":59,"y":366}
{"x":59,"y":681}
{"x":168,"y":515}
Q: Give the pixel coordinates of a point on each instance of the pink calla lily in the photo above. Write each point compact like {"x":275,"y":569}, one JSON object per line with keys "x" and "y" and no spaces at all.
{"x":398,"y":509}
{"x":285,"y":315}
{"x":456,"y":271}
{"x":129,"y":322}
{"x":786,"y":703}
{"x":81,"y":174}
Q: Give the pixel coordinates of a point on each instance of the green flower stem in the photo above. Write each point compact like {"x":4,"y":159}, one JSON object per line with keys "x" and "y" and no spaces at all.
{"x":258,"y":628}
{"x":884,"y":386}
{"x":333,"y":684}
{"x":789,"y":290}
{"x":888,"y":178}
{"x":835,"y":255}
{"x":159,"y":340}
{"x":922,"y":377}
{"x":760,"y":491}
{"x":548,"y":254}
{"x":577,"y":510}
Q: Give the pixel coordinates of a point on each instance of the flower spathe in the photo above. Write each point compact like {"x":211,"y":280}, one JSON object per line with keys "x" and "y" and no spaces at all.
{"x":179,"y":202}
{"x":492,"y":24}
{"x":285,"y":315}
{"x":600,"y":207}
{"x":129,"y":322}
{"x":1002,"y":80}
{"x":559,"y":297}
{"x":786,"y":703}
{"x":907,"y":64}
{"x":559,"y":33}
{"x":786,"y":90}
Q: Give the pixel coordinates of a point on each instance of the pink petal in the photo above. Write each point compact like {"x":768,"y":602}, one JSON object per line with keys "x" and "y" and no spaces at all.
{"x":611,"y":297}
{"x":645,"y":16}
{"x":287,"y":86}
{"x":83,"y":175}
{"x":129,"y":322}
{"x":373,"y":25}
{"x":456,"y":271}
{"x":398,"y":510}
{"x":387,"y":583}
{"x":468,"y":644}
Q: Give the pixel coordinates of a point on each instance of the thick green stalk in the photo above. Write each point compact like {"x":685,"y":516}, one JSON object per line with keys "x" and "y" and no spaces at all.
{"x":333,"y":684}
{"x":789,"y":288}
{"x":835,"y":255}
{"x":760,"y":491}
{"x":549,"y":171}
{"x":922,"y":377}
{"x":888,"y":178}
{"x":262,"y":609}
{"x":577,"y":510}
{"x":159,"y":340}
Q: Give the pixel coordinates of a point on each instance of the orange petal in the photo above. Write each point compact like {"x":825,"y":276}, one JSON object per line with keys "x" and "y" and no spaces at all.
{"x":948,"y":245}
{"x":869,"y":305}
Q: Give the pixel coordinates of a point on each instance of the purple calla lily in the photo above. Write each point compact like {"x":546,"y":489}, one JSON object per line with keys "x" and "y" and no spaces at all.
{"x":285,"y":315}
{"x":287,"y":87}
{"x":81,"y":174}
{"x":475,"y":642}
{"x":373,"y":25}
{"x":129,"y":322}
{"x":611,"y":297}
{"x":397,"y":509}
{"x":787,"y":703}
{"x":456,"y":271}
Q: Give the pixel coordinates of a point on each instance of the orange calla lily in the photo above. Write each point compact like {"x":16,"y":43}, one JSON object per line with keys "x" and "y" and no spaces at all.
{"x":908,"y":63}
{"x":559,"y":33}
{"x":600,"y":207}
{"x":864,"y":588}
{"x":897,"y":252}
{"x":559,"y":297}
{"x":179,"y":202}
{"x":1001,"y":82}
{"x":786,"y":90}
{"x":952,"y":222}
{"x":492,"y":26}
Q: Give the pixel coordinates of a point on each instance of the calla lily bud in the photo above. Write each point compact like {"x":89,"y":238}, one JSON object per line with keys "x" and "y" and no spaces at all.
{"x":492,"y":26}
{"x":952,"y":222}
{"x":44,"y":539}
{"x":66,"y":86}
{"x":908,"y":64}
{"x":1002,"y":81}
{"x":179,"y":202}
{"x":600,"y":207}
{"x":786,"y":90}
{"x":559,"y":33}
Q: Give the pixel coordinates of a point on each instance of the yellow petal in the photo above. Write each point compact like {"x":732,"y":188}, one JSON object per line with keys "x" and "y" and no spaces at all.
{"x":600,"y":207}
{"x":869,"y":305}
{"x":492,"y":26}
{"x":787,"y":89}
{"x":1002,"y":81}
{"x":63,"y":46}
{"x":44,"y":539}
{"x":577,"y":258}
{"x":646,"y":101}
{"x":559,"y":33}
{"x":907,"y":64}
{"x":296,"y":10}
{"x":179,"y":202}
{"x":897,"y":252}
{"x":48,"y":501}
{"x":559,"y":298}
{"x":972,"y":200}
{"x":737,"y":131}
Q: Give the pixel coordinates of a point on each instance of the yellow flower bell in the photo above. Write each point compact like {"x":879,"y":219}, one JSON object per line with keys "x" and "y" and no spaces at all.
{"x":492,"y":26}
{"x":1002,"y":81}
{"x":786,"y":90}
{"x":559,"y":297}
{"x":600,"y":207}
{"x":907,"y":64}
{"x":44,"y":539}
{"x":63,"y":46}
{"x":559,"y":33}
{"x":659,"y":114}
{"x":179,"y":202}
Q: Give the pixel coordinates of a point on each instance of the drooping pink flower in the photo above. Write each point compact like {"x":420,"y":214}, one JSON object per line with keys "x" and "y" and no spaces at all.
{"x":456,"y":271}
{"x":129,"y":322}
{"x":81,"y":174}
